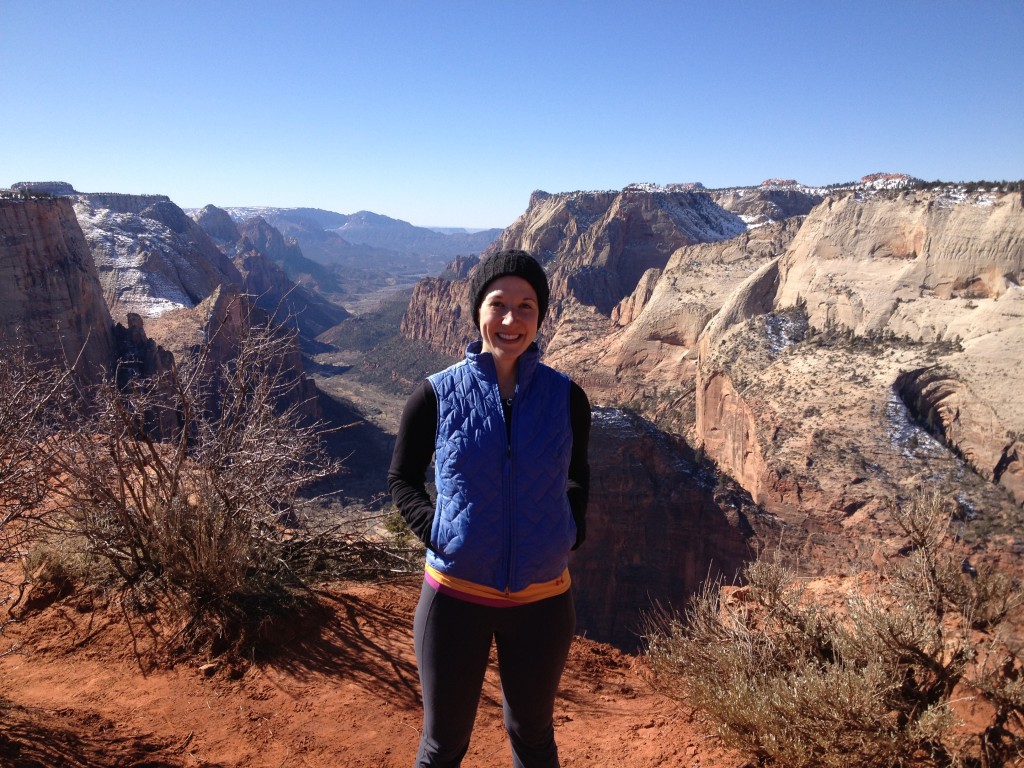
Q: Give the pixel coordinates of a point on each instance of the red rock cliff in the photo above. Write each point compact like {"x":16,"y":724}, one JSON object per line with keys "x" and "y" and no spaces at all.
{"x":50,"y":293}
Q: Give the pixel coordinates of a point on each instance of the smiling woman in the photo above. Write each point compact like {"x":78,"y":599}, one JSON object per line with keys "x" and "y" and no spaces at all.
{"x":509,"y":439}
{"x":509,"y":291}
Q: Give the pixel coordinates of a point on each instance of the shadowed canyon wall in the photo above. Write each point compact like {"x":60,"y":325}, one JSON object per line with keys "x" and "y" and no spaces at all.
{"x":659,"y":525}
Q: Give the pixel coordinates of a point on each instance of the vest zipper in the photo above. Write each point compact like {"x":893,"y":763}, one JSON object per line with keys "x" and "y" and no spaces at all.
{"x":509,"y":476}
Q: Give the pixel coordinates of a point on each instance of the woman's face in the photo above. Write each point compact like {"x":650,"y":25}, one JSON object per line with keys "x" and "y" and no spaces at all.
{"x":508,"y":318}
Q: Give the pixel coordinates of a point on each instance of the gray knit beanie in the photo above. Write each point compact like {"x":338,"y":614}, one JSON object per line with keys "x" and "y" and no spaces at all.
{"x":512,"y":262}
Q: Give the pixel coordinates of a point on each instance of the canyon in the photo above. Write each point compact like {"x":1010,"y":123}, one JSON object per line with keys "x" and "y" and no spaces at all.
{"x":770,"y":367}
{"x":848,"y":348}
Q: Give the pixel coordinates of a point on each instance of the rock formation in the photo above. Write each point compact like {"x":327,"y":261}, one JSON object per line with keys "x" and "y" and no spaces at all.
{"x":595,"y":246}
{"x":218,"y":224}
{"x":264,"y":259}
{"x":598,"y":245}
{"x":285,"y":252}
{"x":840,"y":350}
{"x":648,"y":357}
{"x":215,"y":327}
{"x":50,"y":294}
{"x":659,"y":526}
{"x":288,"y":303}
{"x":774,"y":200}
{"x":135,"y":252}
{"x":438,"y":316}
{"x":880,"y":302}
{"x":150,"y":256}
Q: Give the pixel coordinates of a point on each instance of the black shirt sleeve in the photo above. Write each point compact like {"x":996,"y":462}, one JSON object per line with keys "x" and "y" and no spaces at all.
{"x":414,"y":448}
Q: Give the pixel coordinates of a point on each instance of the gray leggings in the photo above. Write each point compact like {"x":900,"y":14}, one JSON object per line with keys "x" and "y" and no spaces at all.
{"x":453,"y":641}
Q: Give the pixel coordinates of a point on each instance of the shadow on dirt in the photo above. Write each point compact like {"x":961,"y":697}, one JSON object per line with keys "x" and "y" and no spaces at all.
{"x":68,"y":738}
{"x":367,"y":641}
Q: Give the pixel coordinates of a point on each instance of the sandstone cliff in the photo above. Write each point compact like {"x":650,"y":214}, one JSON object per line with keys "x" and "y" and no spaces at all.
{"x":274,"y":270}
{"x":647,"y":356}
{"x":217,"y":223}
{"x":151,"y":256}
{"x":598,"y":245}
{"x":595,"y":246}
{"x":284,"y":252}
{"x":880,"y":302}
{"x":768,"y":203}
{"x":438,"y":315}
{"x":50,"y":294}
{"x":790,"y":352}
{"x":214,"y":329}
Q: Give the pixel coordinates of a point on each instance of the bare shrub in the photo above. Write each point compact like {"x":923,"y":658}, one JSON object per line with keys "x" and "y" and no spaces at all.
{"x":874,"y":679}
{"x":188,"y":485}
{"x":31,"y":397}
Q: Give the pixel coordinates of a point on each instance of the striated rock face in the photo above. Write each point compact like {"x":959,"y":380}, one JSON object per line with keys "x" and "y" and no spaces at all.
{"x":438,"y":315}
{"x":880,"y":303}
{"x":856,"y":260}
{"x":598,"y":245}
{"x":596,"y":248}
{"x":150,"y":256}
{"x":629,"y":309}
{"x":50,"y":294}
{"x":659,"y":525}
{"x":649,"y":359}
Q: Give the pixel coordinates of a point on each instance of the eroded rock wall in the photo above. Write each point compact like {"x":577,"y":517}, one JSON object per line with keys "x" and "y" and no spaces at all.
{"x":659,"y":525}
{"x":802,"y":370}
{"x":50,"y":293}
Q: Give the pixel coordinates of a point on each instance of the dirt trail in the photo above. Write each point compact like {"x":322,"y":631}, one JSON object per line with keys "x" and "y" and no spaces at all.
{"x":335,"y":689}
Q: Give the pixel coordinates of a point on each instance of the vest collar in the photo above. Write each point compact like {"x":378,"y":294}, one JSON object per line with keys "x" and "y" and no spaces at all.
{"x":484,"y":362}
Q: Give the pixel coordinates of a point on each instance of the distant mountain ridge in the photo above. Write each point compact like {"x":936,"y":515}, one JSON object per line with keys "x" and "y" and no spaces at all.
{"x":377,"y":230}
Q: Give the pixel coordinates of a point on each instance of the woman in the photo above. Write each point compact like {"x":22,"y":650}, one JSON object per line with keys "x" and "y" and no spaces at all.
{"x":509,"y":440}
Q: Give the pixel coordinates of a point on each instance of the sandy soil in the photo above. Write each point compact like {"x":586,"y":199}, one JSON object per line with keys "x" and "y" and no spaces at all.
{"x":335,"y":689}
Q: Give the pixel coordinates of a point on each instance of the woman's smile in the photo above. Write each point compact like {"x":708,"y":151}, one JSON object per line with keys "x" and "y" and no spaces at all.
{"x":509,"y":316}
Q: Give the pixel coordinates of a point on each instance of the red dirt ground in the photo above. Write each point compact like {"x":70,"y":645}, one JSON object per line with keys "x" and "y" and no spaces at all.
{"x":336,"y":690}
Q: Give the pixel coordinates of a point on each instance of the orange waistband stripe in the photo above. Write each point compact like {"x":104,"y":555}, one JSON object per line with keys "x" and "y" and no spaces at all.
{"x":475,"y":593}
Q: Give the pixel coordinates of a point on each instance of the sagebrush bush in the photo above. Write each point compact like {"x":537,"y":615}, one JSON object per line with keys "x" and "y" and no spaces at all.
{"x":31,"y":398}
{"x":873,"y":680}
{"x":188,"y":486}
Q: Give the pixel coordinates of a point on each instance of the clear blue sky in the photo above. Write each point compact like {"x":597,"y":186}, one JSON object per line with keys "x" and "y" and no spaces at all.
{"x":452,"y":113}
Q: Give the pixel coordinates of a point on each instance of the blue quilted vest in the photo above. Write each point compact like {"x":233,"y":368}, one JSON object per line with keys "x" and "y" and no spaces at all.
{"x":503,"y":518}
